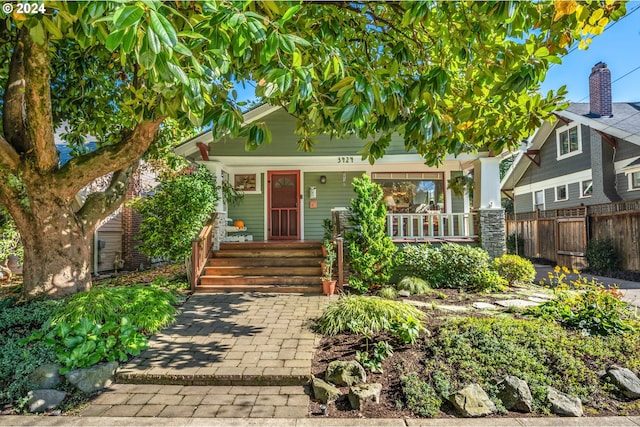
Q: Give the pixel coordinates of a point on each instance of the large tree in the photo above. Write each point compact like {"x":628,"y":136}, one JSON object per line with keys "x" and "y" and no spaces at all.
{"x":447,"y":76}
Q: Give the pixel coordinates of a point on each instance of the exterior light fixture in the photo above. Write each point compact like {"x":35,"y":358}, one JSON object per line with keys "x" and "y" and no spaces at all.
{"x":323,"y":179}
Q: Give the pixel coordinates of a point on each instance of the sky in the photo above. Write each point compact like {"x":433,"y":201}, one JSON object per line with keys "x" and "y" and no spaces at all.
{"x":618,"y":47}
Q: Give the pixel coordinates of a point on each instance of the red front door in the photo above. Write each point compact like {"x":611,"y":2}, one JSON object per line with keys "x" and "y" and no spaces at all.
{"x":284,"y":205}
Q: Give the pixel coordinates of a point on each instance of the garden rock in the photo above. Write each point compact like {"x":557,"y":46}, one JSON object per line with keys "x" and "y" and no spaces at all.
{"x":45,"y":399}
{"x":563,"y":404}
{"x":404,"y":293}
{"x":472,"y":401}
{"x":45,"y":376}
{"x":94,"y":378}
{"x":625,"y":380}
{"x":484,"y":306}
{"x":325,"y":392}
{"x":345,"y":373}
{"x":362,"y":395}
{"x":515,"y":394}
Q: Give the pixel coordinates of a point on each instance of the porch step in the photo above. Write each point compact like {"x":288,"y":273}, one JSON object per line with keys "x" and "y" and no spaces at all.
{"x":264,"y":267}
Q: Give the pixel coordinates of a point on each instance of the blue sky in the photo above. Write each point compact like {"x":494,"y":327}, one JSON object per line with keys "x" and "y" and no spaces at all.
{"x":618,"y":47}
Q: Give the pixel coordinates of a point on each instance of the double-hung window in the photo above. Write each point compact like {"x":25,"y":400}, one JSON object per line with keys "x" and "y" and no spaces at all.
{"x":568,"y":139}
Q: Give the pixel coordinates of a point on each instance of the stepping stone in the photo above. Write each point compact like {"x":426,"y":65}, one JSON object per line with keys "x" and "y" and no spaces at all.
{"x":417,"y":303}
{"x":536,"y":299}
{"x":452,"y":307}
{"x":517,"y":303}
{"x":484,"y":306}
{"x":542,"y":295}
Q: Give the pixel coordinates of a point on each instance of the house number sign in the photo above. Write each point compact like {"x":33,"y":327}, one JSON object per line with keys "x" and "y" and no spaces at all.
{"x":343,"y":159}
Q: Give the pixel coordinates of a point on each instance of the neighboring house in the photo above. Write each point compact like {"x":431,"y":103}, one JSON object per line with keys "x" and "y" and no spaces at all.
{"x":589,"y":156}
{"x":579,"y":179}
{"x":288,"y":193}
{"x":114,"y":239}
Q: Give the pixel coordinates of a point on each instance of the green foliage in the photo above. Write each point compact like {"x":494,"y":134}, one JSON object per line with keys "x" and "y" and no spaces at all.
{"x":175,"y":214}
{"x":602,"y":255}
{"x":373,"y":362}
{"x":349,"y":312}
{"x":407,"y":329}
{"x":515,"y":244}
{"x":327,"y":229}
{"x":537,"y":351}
{"x":329,"y":260}
{"x":18,"y":359}
{"x":388,"y":292}
{"x":587,"y":306}
{"x":420,"y":396}
{"x":448,"y":266}
{"x":10,"y":243}
{"x":148,"y":307}
{"x":515,"y":269}
{"x":369,"y":249}
{"x":415,"y":285}
{"x":490,"y":281}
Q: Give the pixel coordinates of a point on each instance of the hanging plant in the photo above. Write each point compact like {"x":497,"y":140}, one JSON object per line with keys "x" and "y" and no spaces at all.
{"x":460,"y":184}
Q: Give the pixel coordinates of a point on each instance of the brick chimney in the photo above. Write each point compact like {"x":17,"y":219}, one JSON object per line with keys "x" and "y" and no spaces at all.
{"x":600,"y":91}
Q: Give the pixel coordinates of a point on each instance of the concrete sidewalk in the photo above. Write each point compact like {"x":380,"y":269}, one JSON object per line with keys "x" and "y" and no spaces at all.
{"x":320,"y":421}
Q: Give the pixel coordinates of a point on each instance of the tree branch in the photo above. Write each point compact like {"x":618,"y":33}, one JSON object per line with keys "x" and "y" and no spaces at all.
{"x":79,"y":171}
{"x":99,"y":205}
{"x":9,"y":158}
{"x":13,"y":113}
{"x":38,"y":109}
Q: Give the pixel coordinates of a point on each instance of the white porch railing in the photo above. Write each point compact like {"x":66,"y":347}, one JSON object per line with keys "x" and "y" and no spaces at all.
{"x":429,"y":225}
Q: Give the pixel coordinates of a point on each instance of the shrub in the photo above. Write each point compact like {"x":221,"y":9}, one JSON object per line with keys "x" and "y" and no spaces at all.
{"x":415,"y":285}
{"x":350,"y":313}
{"x":587,"y":306}
{"x":537,"y":351}
{"x":420,"y":396}
{"x":387,"y":292}
{"x":515,"y":269}
{"x":449,"y":266}
{"x":601,"y":255}
{"x":490,"y":281}
{"x":369,"y":249}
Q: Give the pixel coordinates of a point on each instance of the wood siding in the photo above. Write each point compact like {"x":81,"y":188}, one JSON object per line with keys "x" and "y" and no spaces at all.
{"x":330,"y":195}
{"x":111,"y":234}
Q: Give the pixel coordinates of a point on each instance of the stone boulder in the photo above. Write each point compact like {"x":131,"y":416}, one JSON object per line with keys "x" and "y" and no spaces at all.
{"x":362,"y":395}
{"x":345,"y":373}
{"x":44,"y":400}
{"x":515,"y":394}
{"x":472,"y":401}
{"x":45,"y":376}
{"x":404,"y":293}
{"x":94,"y":378}
{"x":563,"y":404}
{"x":325,"y":392}
{"x":625,"y":380}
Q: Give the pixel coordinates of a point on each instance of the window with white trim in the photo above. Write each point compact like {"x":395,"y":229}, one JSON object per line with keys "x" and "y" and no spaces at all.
{"x":538,"y":200}
{"x":569,"y":141}
{"x":634,"y":181}
{"x":561,"y":193}
{"x":586,"y":188}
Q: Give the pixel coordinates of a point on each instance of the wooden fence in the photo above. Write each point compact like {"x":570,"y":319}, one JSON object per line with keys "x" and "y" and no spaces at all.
{"x":561,"y":235}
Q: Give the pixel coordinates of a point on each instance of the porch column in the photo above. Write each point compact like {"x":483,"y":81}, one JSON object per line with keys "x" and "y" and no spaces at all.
{"x":486,"y":202}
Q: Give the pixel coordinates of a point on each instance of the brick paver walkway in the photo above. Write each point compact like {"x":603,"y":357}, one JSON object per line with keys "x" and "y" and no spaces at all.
{"x":227,"y":355}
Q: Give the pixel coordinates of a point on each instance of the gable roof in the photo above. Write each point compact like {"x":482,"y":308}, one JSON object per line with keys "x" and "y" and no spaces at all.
{"x":624,"y":124}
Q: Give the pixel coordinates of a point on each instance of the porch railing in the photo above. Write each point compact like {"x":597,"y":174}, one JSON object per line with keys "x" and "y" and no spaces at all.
{"x":200,"y":251}
{"x":418,"y":226}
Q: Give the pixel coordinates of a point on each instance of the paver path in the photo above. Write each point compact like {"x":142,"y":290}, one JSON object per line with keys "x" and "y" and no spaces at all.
{"x":233,"y":339}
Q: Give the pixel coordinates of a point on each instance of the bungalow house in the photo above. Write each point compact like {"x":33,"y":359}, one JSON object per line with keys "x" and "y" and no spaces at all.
{"x":589,"y":156}
{"x":288,"y":194}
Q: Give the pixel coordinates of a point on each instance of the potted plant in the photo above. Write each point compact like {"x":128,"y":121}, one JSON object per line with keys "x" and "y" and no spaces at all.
{"x":460,"y":184}
{"x":328,"y":284}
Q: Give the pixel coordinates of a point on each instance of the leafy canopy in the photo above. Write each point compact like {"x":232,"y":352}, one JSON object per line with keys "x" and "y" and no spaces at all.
{"x":447,"y":76}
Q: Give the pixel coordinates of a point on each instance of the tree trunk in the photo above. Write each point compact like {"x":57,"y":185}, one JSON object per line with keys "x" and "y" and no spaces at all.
{"x":57,"y":252}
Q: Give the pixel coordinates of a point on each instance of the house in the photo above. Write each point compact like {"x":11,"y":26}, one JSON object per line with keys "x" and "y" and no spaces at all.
{"x":288,"y":193}
{"x":590,"y":156}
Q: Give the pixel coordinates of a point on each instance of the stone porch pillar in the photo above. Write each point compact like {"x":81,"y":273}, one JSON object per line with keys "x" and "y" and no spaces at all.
{"x":486,"y":202}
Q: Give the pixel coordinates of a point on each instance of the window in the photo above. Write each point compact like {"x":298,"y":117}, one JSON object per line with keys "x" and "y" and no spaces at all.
{"x":561,"y":193}
{"x":634,"y":181}
{"x":586,"y":188}
{"x":538,"y":200}
{"x":412,"y":191}
{"x":569,"y":141}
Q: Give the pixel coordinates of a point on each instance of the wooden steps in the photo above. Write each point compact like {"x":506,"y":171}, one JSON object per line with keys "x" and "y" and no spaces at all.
{"x":264,"y":267}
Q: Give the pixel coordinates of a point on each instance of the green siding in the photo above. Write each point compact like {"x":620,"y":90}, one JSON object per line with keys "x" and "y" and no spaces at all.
{"x":251,"y":211}
{"x":330,"y":195}
{"x":457,"y":202}
{"x":285,"y":140}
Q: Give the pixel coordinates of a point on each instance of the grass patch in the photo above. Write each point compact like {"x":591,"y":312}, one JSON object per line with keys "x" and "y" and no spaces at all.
{"x":415,"y":285}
